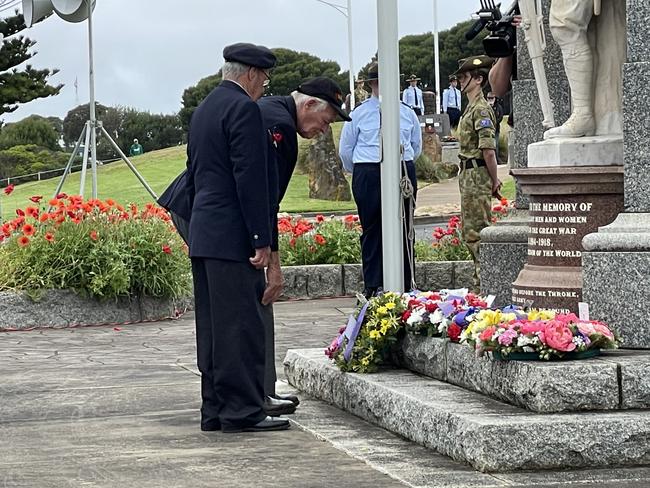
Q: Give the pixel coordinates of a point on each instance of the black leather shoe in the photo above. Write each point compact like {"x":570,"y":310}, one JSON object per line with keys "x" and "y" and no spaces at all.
{"x":267,"y":425}
{"x":292,"y":398}
{"x":210,"y":426}
{"x":369,"y":293}
{"x":274,"y":407}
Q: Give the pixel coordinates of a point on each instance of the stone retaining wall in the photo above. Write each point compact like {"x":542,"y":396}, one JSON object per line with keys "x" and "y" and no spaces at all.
{"x":63,"y":308}
{"x":330,"y":280}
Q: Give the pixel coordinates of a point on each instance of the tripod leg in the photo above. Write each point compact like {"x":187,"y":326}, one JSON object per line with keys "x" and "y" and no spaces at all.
{"x":68,"y":166}
{"x":84,"y":166}
{"x":129,"y":164}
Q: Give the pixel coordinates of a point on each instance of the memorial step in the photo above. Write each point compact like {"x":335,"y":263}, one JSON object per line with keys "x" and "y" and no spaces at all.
{"x":615,"y":380}
{"x":489,"y":435}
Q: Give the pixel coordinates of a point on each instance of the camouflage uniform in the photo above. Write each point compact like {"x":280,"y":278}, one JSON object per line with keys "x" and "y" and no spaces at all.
{"x":360,"y":95}
{"x":475,"y":133}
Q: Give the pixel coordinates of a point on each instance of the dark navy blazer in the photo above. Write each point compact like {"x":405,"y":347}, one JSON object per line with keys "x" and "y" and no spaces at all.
{"x":279,"y":117}
{"x":227,"y":179}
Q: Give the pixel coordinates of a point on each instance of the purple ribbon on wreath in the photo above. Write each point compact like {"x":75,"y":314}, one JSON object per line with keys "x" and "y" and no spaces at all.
{"x":352,"y":330}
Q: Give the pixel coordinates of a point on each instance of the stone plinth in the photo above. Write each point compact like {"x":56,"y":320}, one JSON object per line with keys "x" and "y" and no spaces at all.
{"x":469,"y":427}
{"x":504,"y":247}
{"x":538,"y":386}
{"x":565,"y":205}
{"x":579,"y":151}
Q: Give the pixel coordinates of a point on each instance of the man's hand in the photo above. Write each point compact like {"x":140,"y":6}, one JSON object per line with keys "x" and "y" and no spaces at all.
{"x":274,"y":280}
{"x":516,"y":20}
{"x":261,"y":258}
{"x":496,"y":186}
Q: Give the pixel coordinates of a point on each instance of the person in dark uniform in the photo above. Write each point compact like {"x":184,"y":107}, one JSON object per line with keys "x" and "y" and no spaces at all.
{"x":308,"y":111}
{"x":230,"y":242}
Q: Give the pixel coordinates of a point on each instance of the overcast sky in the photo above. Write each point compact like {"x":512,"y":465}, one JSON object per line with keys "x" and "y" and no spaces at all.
{"x":148,"y":51}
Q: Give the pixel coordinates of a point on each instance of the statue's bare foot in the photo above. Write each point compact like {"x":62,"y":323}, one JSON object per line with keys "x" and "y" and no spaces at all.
{"x":578,"y":125}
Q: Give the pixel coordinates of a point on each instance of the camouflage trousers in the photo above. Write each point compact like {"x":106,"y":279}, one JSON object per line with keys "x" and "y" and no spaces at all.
{"x":476,"y":212}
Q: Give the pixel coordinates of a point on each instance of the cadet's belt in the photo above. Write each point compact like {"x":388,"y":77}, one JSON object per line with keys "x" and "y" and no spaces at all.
{"x":471,"y":163}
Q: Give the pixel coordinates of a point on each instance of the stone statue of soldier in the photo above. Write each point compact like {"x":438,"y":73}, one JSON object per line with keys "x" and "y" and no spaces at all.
{"x":591,"y":35}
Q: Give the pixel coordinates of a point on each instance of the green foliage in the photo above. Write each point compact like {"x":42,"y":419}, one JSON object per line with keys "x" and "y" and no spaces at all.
{"x":20,"y":86}
{"x":32,"y":130}
{"x":153,"y":131}
{"x":102,"y":255}
{"x":325,"y":241}
{"x":292,"y":68}
{"x":416,"y":54}
{"x":28,"y":159}
{"x":424,"y":170}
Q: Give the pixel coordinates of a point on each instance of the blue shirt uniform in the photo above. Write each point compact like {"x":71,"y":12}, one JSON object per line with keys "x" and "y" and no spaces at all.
{"x":412,"y":96}
{"x":360,"y":138}
{"x":451,"y":98}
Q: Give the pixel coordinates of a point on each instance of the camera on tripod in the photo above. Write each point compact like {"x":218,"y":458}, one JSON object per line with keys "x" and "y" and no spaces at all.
{"x":502,"y":40}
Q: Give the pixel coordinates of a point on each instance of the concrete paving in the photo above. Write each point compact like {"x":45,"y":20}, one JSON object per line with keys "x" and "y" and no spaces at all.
{"x":118,"y":407}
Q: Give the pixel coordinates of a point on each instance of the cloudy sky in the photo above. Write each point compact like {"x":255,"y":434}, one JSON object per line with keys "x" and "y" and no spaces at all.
{"x":148,"y":51}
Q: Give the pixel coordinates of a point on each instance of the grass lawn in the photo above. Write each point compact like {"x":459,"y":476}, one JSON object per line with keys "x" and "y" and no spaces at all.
{"x":158,"y":168}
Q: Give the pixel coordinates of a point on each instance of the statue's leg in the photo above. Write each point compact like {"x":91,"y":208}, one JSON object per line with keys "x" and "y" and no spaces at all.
{"x":569,"y":21}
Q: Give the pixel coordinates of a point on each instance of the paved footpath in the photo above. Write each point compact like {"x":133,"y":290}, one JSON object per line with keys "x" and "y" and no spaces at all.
{"x":118,"y":407}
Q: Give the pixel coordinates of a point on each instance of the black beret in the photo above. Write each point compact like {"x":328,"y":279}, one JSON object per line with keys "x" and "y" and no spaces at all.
{"x":250,"y":55}
{"x":325,"y":89}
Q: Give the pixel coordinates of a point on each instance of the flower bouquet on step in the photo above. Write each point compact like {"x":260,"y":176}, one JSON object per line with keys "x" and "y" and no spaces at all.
{"x":434,"y":314}
{"x":363,"y":344}
{"x":512,"y":333}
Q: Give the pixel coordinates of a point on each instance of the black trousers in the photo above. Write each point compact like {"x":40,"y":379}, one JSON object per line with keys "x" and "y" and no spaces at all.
{"x":454,"y":116}
{"x":230,"y":341}
{"x":366,"y":188}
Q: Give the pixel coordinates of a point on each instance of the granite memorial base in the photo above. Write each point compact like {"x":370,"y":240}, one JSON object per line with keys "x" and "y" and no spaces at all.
{"x":565,"y":205}
{"x":490,"y":435}
{"x":612,"y":381}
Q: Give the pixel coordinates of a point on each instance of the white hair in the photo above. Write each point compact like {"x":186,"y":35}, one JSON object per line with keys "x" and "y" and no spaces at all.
{"x":232,"y":70}
{"x":301,"y":99}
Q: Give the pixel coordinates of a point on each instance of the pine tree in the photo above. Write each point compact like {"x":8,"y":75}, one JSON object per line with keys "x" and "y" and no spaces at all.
{"x":20,"y":85}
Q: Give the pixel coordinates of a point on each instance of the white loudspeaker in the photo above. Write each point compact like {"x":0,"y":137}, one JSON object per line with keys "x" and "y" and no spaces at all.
{"x":36,"y":10}
{"x":72,"y":10}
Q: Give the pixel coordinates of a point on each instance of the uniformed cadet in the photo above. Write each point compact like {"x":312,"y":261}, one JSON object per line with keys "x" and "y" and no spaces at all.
{"x":412,"y":95}
{"x":308,"y":111}
{"x":360,"y":153}
{"x":451,"y":101}
{"x":360,"y":93}
{"x":478,"y":179}
{"x":230,"y":242}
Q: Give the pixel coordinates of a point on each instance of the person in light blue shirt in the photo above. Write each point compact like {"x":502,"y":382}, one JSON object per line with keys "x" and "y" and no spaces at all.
{"x":412,"y":96}
{"x":451,"y":101}
{"x":360,"y":152}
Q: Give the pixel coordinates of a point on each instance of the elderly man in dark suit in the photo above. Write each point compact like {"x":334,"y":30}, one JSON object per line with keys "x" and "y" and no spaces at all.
{"x":230,"y":242}
{"x":308,"y":111}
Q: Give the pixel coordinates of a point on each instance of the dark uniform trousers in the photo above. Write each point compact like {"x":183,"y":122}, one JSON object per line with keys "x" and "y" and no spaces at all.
{"x":230,"y":340}
{"x":454,"y":116}
{"x":366,"y":189}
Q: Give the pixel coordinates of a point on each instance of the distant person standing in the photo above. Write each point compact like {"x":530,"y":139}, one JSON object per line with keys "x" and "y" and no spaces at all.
{"x":412,"y":96}
{"x":136,"y":148}
{"x":360,"y":93}
{"x":451,"y":101}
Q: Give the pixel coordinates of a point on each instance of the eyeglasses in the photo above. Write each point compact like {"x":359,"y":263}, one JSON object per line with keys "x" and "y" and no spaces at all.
{"x":266,"y":82}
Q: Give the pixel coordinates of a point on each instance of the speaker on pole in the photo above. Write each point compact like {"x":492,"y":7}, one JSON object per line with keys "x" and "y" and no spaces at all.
{"x":36,"y":10}
{"x":72,"y":10}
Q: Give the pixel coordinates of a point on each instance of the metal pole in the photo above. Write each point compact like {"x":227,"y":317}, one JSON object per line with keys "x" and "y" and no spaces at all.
{"x":93,"y":117}
{"x":436,"y":53}
{"x":352,"y":100}
{"x":84,"y":164}
{"x":391,"y":199}
{"x":69,"y":165}
{"x":128,"y":163}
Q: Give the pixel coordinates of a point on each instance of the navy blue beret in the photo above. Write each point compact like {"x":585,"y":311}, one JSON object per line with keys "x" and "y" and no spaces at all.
{"x":250,"y":55}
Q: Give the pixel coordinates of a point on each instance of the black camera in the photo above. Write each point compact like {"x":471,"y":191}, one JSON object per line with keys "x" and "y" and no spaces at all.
{"x":502,"y":40}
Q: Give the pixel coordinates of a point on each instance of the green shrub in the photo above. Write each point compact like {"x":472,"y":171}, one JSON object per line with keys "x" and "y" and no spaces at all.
{"x":95,"y":248}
